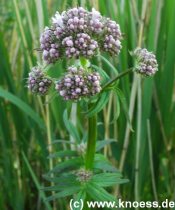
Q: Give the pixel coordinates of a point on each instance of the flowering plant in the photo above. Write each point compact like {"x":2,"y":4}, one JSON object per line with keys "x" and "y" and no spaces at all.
{"x":79,"y":35}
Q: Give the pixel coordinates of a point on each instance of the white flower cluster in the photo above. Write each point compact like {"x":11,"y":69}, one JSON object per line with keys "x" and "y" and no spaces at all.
{"x":78,"y":32}
{"x":146,"y":62}
{"x":37,"y":82}
{"x":78,"y":83}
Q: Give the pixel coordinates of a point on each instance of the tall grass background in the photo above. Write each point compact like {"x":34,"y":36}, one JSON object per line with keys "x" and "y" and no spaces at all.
{"x":28,"y":124}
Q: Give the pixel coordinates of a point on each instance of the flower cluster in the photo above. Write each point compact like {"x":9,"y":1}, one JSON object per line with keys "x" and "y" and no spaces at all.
{"x":49,"y":47}
{"x":37,"y":82}
{"x":78,"y":83}
{"x":146,"y":62}
{"x":82,"y":44}
{"x":83,"y":175}
{"x":78,"y":32}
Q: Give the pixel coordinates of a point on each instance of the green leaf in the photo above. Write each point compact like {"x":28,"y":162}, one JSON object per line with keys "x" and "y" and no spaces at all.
{"x":102,"y":163}
{"x":70,"y":127}
{"x":108,"y":179}
{"x":98,"y":193}
{"x":67,"y":164}
{"x":117,"y":114}
{"x":98,"y":106}
{"x":64,"y":178}
{"x":109,"y":64}
{"x":101,"y":144}
{"x":61,"y":154}
{"x":124,"y":105}
{"x":23,"y":106}
{"x":66,"y":192}
{"x":61,"y":186}
{"x":80,"y":195}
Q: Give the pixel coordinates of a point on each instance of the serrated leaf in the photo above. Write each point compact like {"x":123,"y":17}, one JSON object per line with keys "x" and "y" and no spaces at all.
{"x":101,"y":144}
{"x":100,"y":162}
{"x":98,"y":193}
{"x":65,"y":153}
{"x":61,"y":186}
{"x":68,"y":177}
{"x":67,"y":164}
{"x":108,"y":179}
{"x":70,"y":127}
{"x":98,"y":106}
{"x":124,"y":105}
{"x":66,"y":192}
{"x":80,"y":195}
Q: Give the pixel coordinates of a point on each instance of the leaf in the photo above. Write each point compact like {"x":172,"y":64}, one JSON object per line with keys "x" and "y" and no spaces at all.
{"x":66,"y":192}
{"x":65,"y":153}
{"x":108,"y":179}
{"x":80,"y":196}
{"x":61,"y":186}
{"x":102,"y":163}
{"x":64,"y":178}
{"x":116,"y":115}
{"x":109,"y":64}
{"x":73,"y":163}
{"x":70,"y":127}
{"x":101,"y":144}
{"x":98,"y":106}
{"x":124,"y":106}
{"x":23,"y":106}
{"x":98,"y":193}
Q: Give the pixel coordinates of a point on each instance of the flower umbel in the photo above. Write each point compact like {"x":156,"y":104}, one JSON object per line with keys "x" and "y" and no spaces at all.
{"x":146,"y":62}
{"x":37,"y":82}
{"x":83,"y":175}
{"x":78,"y":32}
{"x":78,"y":83}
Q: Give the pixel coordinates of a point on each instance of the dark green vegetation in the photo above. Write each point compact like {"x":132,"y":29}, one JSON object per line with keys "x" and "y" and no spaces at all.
{"x":28,"y":123}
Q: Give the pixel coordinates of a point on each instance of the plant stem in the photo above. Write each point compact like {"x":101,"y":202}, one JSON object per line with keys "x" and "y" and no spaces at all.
{"x":116,"y":78}
{"x":49,"y":141}
{"x":91,"y":144}
{"x":92,"y":127}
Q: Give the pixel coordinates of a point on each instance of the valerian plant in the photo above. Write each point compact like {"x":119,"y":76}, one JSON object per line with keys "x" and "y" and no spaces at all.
{"x":80,"y":35}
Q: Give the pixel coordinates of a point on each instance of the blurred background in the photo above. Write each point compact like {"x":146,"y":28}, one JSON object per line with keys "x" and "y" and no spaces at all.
{"x":146,"y":155}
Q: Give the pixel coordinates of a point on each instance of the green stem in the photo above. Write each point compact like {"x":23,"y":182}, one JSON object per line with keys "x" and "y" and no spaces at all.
{"x":108,"y":84}
{"x":91,"y":144}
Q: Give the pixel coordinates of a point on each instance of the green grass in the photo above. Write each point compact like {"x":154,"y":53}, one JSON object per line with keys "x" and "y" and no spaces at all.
{"x":149,"y":159}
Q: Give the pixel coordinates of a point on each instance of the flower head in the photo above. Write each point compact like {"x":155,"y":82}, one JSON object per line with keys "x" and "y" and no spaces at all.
{"x":50,"y":48}
{"x":37,"y":82}
{"x":78,"y":32}
{"x":78,"y":83}
{"x":112,"y":45}
{"x":146,"y":62}
{"x":83,"y":175}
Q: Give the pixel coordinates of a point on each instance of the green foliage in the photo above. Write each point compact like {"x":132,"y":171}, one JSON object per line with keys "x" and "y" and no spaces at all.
{"x":68,"y":183}
{"x":99,"y":104}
